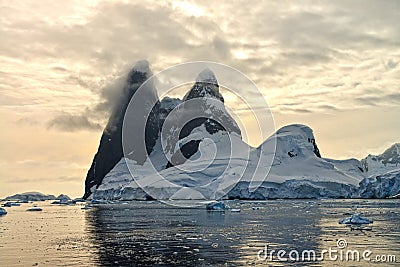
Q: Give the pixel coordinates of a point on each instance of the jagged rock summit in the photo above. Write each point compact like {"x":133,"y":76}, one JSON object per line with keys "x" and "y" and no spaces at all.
{"x":201,"y":114}
{"x":387,"y":161}
{"x":110,"y":149}
{"x":207,"y":76}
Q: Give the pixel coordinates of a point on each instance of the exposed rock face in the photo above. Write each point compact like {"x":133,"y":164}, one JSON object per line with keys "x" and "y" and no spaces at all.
{"x":202,"y":106}
{"x":110,"y":150}
{"x":206,"y":86}
{"x":167,"y":104}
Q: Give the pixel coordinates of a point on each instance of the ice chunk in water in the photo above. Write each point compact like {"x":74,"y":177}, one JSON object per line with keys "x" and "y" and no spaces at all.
{"x":355,"y":219}
{"x":3,"y":211}
{"x":34,"y":209}
{"x":217,"y":206}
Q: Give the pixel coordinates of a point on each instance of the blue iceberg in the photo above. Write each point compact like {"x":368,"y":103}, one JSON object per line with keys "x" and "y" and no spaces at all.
{"x":355,"y":219}
{"x":218,"y":206}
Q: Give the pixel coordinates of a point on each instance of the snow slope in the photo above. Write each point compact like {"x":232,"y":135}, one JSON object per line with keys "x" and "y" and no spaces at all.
{"x":297,"y":157}
{"x":219,"y":171}
{"x":379,"y":164}
{"x":298,"y":171}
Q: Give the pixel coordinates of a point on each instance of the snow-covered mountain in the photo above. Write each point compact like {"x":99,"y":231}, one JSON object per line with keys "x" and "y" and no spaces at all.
{"x":299,"y":171}
{"x":31,"y":196}
{"x":378,"y":164}
{"x":297,"y":157}
{"x":197,"y":153}
{"x":383,"y":174}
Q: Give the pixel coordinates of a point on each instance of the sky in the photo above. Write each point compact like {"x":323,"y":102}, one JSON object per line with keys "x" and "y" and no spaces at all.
{"x":332,"y":65}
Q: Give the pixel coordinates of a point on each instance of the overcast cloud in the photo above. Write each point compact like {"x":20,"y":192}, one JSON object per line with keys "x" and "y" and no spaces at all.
{"x":322,"y":49}
{"x":62,"y":63}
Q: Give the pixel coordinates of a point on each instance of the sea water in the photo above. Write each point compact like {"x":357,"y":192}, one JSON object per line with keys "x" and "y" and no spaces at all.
{"x":151,"y":233}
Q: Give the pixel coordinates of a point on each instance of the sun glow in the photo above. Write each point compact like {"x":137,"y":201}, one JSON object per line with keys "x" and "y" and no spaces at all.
{"x":189,"y":9}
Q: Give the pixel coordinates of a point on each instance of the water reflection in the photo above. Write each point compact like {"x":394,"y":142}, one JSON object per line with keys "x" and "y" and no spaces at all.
{"x":156,"y":234}
{"x":149,"y":233}
{"x":153,"y":233}
{"x":381,"y":238}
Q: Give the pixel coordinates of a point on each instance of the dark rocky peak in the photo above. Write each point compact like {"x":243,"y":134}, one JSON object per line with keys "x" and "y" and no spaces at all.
{"x":139,"y":73}
{"x":207,"y":76}
{"x":202,"y":106}
{"x":206,"y":86}
{"x":110,"y":149}
{"x":167,"y":104}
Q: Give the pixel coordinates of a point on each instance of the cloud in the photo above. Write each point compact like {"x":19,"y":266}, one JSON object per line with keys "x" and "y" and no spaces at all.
{"x":391,"y":64}
{"x":278,"y":45}
{"x":391,"y":99}
{"x":328,"y":107}
{"x":64,"y":67}
{"x":109,"y":95}
{"x":59,"y":68}
{"x":71,"y":123}
{"x":59,"y":179}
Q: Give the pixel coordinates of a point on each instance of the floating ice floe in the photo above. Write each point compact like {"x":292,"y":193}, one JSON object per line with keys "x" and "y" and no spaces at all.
{"x":219,"y":206}
{"x":355,"y":219}
{"x":11,"y":204}
{"x":62,"y":202}
{"x":2,"y":212}
{"x":235,"y":210}
{"x":34,"y":209}
{"x":86,"y":207}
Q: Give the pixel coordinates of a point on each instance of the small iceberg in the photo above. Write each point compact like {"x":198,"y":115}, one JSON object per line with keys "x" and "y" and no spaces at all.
{"x":7,"y":204}
{"x":61,"y":202}
{"x":2,"y":212}
{"x":235,"y":210}
{"x":355,"y":219}
{"x":34,"y":209}
{"x":11,"y":204}
{"x":217,"y":206}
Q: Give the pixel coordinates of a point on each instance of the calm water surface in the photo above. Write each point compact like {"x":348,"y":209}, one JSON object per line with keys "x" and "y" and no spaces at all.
{"x":151,"y":233}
